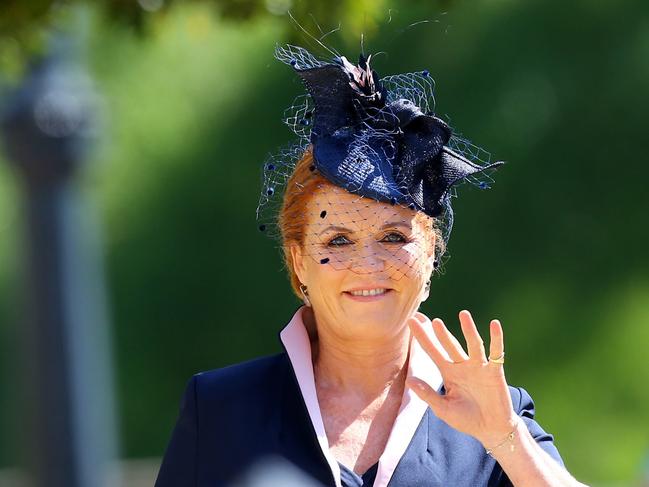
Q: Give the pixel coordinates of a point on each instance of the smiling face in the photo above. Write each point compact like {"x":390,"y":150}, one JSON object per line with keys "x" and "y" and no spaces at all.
{"x":365,"y":263}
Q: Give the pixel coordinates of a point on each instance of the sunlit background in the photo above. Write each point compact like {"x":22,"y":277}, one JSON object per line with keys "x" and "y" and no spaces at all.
{"x":191,"y":104}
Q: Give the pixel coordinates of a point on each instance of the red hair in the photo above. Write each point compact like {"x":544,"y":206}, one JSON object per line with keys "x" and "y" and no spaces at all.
{"x":291,"y":219}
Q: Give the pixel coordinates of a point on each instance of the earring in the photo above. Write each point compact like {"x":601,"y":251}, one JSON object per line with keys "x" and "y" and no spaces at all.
{"x":426,"y":289}
{"x":305,"y":294}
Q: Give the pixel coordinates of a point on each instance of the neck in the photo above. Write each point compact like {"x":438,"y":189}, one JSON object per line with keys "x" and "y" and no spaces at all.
{"x":361,"y":367}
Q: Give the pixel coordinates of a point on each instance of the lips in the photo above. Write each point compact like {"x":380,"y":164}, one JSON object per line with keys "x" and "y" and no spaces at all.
{"x":368,"y":293}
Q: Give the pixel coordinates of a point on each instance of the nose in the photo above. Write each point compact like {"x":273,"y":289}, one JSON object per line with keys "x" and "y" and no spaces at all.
{"x":368,"y":257}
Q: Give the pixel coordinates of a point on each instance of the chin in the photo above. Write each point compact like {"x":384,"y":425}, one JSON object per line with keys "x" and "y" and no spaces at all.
{"x":367,"y":320}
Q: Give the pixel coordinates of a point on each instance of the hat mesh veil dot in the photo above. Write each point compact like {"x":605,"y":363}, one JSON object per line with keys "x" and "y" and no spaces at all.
{"x":391,"y":167}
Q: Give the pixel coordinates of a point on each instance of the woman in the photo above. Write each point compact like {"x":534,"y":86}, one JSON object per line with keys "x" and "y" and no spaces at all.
{"x":368,"y":390}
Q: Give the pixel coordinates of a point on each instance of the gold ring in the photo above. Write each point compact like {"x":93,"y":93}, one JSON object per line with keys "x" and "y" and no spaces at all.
{"x":499,"y":360}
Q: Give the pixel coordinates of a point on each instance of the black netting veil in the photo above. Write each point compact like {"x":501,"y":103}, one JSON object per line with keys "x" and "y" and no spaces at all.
{"x":389,"y":168}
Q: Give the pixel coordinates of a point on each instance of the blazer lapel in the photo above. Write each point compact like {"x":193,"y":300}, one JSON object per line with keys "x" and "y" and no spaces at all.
{"x":297,"y":440}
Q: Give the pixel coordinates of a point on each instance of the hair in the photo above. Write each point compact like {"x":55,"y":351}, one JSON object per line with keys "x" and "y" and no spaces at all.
{"x":294,"y":207}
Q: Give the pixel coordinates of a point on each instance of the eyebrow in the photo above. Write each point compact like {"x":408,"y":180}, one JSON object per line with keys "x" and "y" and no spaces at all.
{"x":347,"y":230}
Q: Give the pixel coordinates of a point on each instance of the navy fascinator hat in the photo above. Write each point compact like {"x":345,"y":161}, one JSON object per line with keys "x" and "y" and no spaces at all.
{"x":374,"y":137}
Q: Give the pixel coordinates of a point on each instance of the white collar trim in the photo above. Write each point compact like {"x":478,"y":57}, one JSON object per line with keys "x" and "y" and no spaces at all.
{"x":296,"y":341}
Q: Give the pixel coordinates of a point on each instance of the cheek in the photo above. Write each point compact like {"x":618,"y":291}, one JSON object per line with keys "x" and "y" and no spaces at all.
{"x":410,"y":261}
{"x":324,"y":277}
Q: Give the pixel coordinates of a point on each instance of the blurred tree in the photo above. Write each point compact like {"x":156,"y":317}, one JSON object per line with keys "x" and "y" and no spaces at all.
{"x":557,"y":250}
{"x":21,"y":16}
{"x":23,"y":23}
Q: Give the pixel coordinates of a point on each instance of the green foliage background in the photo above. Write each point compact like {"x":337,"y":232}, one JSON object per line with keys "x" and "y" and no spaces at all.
{"x":556,"y":250}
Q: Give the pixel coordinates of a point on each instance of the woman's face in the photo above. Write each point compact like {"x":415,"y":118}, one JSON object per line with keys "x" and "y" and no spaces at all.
{"x":355,"y":245}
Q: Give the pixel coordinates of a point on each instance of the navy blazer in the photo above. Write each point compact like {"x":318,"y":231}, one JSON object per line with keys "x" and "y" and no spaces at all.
{"x":232,"y":417}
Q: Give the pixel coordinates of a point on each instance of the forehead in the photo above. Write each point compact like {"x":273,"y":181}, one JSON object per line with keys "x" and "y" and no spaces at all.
{"x":331,"y":205}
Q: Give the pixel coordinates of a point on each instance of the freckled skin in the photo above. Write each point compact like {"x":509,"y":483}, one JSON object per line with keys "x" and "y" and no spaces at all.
{"x":360,"y":348}
{"x":358,"y":430}
{"x":370,"y":257}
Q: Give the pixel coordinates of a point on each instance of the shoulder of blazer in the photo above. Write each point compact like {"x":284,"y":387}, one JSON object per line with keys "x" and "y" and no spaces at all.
{"x":255,"y":377}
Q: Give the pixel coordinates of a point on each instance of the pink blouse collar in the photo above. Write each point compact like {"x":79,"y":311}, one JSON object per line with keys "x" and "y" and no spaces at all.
{"x":296,"y":341}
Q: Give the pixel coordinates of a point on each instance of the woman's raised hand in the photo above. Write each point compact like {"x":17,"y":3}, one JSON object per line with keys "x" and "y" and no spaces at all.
{"x":477,"y":399}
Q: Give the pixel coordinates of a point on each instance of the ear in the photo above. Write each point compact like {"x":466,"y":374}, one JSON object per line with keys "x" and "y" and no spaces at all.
{"x":431,"y":252}
{"x":298,"y":261}
{"x":430,"y":264}
{"x":429,"y":272}
{"x":432,"y":246}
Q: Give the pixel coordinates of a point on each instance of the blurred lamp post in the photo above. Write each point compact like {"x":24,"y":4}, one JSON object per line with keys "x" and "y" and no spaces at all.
{"x":66,"y":372}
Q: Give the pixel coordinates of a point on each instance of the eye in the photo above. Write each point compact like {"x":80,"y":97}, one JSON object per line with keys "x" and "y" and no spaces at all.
{"x":338,"y":240}
{"x":395,"y":237}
